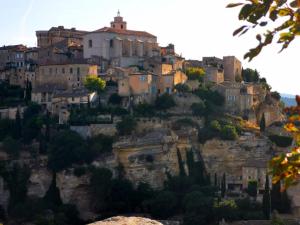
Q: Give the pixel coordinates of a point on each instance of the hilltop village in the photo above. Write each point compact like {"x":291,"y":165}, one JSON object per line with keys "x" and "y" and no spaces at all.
{"x":90,"y":117}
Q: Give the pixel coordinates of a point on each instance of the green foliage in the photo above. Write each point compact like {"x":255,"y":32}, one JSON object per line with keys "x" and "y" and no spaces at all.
{"x":194,"y":73}
{"x":144,"y":110}
{"x":115,"y":99}
{"x":98,"y":145}
{"x":80,"y":171}
{"x":229,"y":132}
{"x":163,"y":205}
{"x":276,"y":95}
{"x":101,"y":188}
{"x":215,"y":126}
{"x":213,"y":97}
{"x":250,"y":75}
{"x":263,"y":14}
{"x":223,"y":185}
{"x":11,"y":146}
{"x":182,"y":88}
{"x":279,"y":199}
{"x":66,"y":147}
{"x":252,"y":188}
{"x":199,"y":109}
{"x":16,"y":179}
{"x":6,"y":128}
{"x":126,"y":126}
{"x":94,"y":83}
{"x":226,"y":209}
{"x":267,"y":199}
{"x":281,"y":141}
{"x":164,"y":102}
{"x":11,"y":95}
{"x":180,"y":164}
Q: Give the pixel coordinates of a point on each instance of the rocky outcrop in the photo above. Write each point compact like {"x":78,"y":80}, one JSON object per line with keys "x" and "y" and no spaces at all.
{"x":39,"y":182}
{"x":119,"y":220}
{"x":75,"y":190}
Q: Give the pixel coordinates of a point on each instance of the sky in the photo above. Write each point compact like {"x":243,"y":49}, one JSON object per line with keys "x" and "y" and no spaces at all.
{"x":197,"y":28}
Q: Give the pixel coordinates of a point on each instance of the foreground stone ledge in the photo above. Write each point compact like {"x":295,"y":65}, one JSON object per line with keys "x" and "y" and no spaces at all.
{"x":120,"y":220}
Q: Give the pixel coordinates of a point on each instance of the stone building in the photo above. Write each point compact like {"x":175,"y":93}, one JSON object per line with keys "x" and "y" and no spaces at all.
{"x":122,"y":46}
{"x":213,"y":75}
{"x":238,"y":96}
{"x":232,"y":68}
{"x":168,"y":81}
{"x":46,"y":38}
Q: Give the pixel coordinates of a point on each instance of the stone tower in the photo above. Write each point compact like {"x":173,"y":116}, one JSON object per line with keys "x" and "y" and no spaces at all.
{"x":118,"y":23}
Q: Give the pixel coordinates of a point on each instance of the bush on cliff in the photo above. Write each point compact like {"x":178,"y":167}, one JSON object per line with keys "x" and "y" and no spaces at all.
{"x":126,"y":126}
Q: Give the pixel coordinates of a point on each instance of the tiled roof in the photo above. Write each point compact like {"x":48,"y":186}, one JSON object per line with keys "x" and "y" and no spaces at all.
{"x":14,"y":47}
{"x":125,"y":32}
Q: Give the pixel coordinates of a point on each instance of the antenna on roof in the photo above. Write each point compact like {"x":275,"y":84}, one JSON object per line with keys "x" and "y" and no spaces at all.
{"x":118,"y":12}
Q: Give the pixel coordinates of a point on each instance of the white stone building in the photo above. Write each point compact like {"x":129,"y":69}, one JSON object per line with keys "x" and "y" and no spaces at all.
{"x":122,"y":46}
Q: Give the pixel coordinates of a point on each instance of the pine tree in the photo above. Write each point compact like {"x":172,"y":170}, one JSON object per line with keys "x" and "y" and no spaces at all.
{"x":262,"y":124}
{"x":28,"y":90}
{"x":223,"y":186}
{"x":181,"y":165}
{"x":266,"y":199}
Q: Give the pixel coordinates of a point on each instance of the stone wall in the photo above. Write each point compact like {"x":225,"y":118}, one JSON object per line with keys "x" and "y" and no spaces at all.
{"x":93,"y":130}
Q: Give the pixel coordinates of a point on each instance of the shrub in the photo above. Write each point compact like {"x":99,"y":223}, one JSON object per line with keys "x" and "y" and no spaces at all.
{"x":229,"y":132}
{"x":199,"y":109}
{"x":115,"y":99}
{"x":281,"y":141}
{"x":144,"y":109}
{"x":226,"y":209}
{"x":126,"y":126}
{"x":11,"y":146}
{"x":163,"y":205}
{"x":79,"y":171}
{"x":215,"y":126}
{"x":164,"y":102}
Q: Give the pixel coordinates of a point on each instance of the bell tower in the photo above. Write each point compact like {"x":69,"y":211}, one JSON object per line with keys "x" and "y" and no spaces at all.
{"x":118,"y":22}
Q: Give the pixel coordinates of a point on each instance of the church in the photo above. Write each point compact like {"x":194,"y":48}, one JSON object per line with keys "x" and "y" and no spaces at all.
{"x":121,"y":46}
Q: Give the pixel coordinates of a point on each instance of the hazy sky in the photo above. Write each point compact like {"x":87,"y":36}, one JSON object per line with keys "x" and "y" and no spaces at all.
{"x":197,"y":28}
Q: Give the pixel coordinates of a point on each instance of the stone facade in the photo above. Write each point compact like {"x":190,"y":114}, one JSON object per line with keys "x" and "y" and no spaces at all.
{"x":232,"y":68}
{"x":122,"y":46}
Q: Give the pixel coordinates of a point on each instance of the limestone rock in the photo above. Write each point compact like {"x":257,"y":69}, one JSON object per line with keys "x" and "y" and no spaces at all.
{"x":39,"y":182}
{"x":120,"y":220}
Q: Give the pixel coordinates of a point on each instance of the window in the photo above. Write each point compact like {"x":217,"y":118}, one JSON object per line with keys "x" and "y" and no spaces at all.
{"x":113,"y":26}
{"x":63,"y":70}
{"x":71,"y":70}
{"x":111,"y":43}
{"x":78,"y":71}
{"x":90,"y":43}
{"x":78,"y":78}
{"x":121,"y":26}
{"x":143,"y":78}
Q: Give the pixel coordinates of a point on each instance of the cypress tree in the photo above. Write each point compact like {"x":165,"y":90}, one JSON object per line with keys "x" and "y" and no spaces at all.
{"x":276,"y":197}
{"x":190,"y":162}
{"x":262,"y":124}
{"x":267,"y":199}
{"x":180,"y":164}
{"x":223,"y":186}
{"x":18,"y":125}
{"x":47,"y":132}
{"x":216,"y":180}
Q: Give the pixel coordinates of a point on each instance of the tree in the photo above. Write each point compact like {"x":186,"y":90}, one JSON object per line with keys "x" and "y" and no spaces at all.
{"x":182,"y":88}
{"x":223,"y":186}
{"x":11,"y":146}
{"x":115,"y":99}
{"x":164,"y":102}
{"x":229,"y":132}
{"x":163,"y":205}
{"x":126,"y":126}
{"x":199,"y":109}
{"x":252,"y":188}
{"x":263,"y":14}
{"x":28,"y":90}
{"x":94,"y":83}
{"x":66,"y":148}
{"x":267,"y":199}
{"x":180,"y":164}
{"x":262,"y":123}
{"x":18,"y":125}
{"x":250,"y":75}
{"x":195,"y":73}
{"x":216,"y":180}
